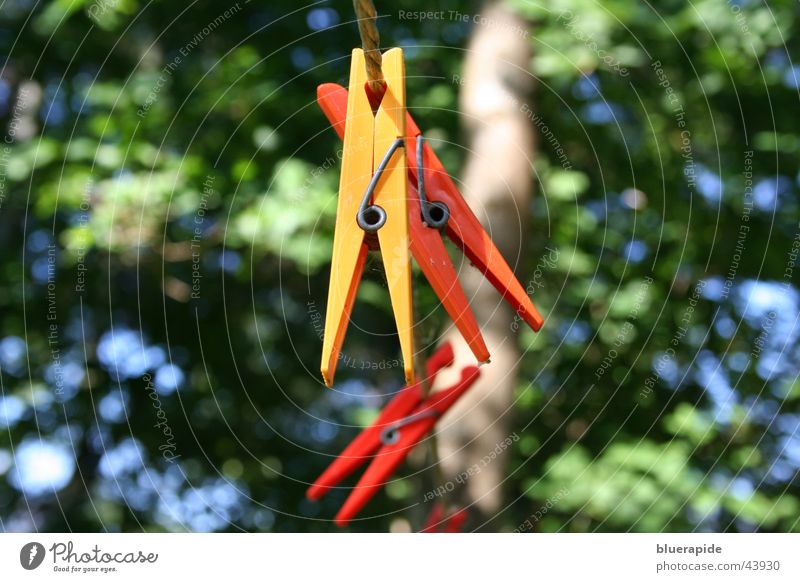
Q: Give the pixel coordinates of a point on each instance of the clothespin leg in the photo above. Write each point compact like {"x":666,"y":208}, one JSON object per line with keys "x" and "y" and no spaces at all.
{"x":466,"y":231}
{"x":429,"y":252}
{"x":349,"y":250}
{"x":391,"y":195}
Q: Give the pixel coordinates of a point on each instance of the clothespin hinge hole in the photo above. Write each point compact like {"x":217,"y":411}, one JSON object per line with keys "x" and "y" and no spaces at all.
{"x":391,"y":434}
{"x":435,"y":214}
{"x":371,"y":218}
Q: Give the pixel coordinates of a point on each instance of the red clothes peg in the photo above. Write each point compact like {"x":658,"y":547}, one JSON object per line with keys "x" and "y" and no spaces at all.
{"x":401,"y":425}
{"x":437,"y":522}
{"x":447,"y":210}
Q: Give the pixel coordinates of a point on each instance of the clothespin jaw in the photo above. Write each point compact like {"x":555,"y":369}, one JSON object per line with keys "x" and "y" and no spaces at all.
{"x":371,"y":165}
{"x":463,"y":228}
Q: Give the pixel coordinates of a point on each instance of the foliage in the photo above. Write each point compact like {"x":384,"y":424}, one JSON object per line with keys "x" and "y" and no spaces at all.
{"x":166,"y":215}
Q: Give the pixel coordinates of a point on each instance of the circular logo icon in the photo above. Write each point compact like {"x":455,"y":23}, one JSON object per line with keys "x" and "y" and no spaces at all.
{"x":31,"y":555}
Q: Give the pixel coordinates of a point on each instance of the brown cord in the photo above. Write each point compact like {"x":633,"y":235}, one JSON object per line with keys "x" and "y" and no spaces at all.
{"x":370,"y":42}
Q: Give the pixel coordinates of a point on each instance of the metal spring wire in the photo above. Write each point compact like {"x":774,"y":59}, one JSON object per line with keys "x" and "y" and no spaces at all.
{"x":372,"y":217}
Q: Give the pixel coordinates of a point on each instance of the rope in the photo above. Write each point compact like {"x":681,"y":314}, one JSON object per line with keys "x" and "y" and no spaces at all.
{"x":370,"y":42}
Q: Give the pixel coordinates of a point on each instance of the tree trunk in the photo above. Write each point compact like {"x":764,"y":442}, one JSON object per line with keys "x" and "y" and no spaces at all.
{"x":497,"y":183}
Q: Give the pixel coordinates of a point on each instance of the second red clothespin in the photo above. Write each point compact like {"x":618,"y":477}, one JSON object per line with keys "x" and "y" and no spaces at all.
{"x":440,"y":521}
{"x":401,"y":425}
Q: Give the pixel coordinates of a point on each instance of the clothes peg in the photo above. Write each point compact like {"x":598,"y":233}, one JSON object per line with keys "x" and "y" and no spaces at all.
{"x":372,"y":198}
{"x":436,"y":207}
{"x":401,"y":425}
{"x":438,"y":522}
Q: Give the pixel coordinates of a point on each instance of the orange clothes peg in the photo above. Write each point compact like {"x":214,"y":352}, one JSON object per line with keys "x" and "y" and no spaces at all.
{"x":372,"y":198}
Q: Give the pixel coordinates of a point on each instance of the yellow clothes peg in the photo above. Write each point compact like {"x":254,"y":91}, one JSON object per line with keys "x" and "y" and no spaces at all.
{"x":372,"y":198}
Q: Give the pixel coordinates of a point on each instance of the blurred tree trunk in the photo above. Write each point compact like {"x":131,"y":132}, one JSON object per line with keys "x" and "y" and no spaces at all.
{"x":497,"y":183}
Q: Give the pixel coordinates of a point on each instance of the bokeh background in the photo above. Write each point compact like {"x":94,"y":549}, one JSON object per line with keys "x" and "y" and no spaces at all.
{"x":167,"y":199}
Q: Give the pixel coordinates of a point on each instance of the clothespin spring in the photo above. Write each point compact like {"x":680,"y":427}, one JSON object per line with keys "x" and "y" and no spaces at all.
{"x":434,"y":214}
{"x":372,"y":217}
{"x":391,"y":434}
